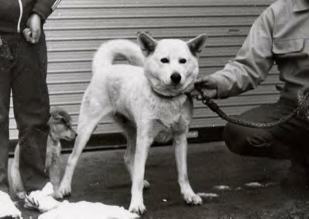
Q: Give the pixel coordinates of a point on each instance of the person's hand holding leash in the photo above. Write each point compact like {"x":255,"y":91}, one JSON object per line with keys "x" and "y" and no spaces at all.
{"x":33,"y":31}
{"x":208,"y":85}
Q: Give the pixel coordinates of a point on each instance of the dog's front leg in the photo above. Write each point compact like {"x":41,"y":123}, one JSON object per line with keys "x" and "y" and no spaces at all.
{"x":142,"y":147}
{"x":180,"y":144}
{"x":55,"y":171}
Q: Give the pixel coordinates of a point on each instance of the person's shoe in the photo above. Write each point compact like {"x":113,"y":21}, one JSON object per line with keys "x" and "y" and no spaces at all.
{"x":7,"y":207}
{"x":42,"y":200}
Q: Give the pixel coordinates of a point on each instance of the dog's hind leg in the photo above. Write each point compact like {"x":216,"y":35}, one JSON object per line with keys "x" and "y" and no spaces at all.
{"x":130,"y":151}
{"x":130,"y":133}
{"x":91,"y":112}
{"x":180,"y":144}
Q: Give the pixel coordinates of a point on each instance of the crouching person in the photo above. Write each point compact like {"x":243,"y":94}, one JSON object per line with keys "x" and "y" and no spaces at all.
{"x":23,"y":67}
{"x":280,"y":35}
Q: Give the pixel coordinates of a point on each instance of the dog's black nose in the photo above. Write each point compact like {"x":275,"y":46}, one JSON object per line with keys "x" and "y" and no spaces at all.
{"x":176,"y":78}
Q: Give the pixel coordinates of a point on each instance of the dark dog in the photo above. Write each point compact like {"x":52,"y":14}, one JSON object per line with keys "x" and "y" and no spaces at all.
{"x":60,"y":127}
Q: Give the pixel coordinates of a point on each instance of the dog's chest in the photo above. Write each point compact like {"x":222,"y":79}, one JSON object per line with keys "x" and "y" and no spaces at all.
{"x":169,"y":114}
{"x":169,"y":118}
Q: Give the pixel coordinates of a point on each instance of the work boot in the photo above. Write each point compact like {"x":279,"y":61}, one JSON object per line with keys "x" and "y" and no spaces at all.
{"x":297,"y":177}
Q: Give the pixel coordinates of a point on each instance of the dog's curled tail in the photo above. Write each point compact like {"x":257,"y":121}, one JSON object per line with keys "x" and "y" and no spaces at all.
{"x":109,"y":51}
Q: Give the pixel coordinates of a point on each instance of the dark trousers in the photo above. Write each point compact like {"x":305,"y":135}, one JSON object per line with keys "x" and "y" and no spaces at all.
{"x":23,"y":68}
{"x":289,"y":140}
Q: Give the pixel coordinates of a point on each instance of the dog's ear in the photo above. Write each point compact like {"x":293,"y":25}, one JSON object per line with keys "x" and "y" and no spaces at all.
{"x":56,"y":115}
{"x":59,"y":115}
{"x":146,"y":42}
{"x":197,"y":44}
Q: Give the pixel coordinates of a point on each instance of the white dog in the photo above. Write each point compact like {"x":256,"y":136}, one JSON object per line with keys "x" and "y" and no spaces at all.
{"x":147,"y":98}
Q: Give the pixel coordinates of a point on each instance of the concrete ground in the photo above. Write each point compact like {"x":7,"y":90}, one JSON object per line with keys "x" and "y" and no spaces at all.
{"x":102,"y":177}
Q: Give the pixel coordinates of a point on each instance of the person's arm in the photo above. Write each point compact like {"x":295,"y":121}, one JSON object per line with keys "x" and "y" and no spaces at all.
{"x":45,"y":7}
{"x":251,"y":64}
{"x":41,"y":10}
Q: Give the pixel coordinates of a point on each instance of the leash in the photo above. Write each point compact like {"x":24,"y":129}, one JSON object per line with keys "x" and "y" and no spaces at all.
{"x":302,"y":109}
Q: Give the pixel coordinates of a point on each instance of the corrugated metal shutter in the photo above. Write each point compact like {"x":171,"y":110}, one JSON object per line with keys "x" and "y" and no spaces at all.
{"x":78,"y":27}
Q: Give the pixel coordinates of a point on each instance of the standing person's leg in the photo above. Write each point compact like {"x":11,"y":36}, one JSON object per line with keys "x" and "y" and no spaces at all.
{"x":31,"y":109}
{"x":7,"y":207}
{"x":5,"y":65}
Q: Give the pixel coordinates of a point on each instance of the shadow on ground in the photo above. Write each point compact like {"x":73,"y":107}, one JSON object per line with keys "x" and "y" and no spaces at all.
{"x":102,"y":177}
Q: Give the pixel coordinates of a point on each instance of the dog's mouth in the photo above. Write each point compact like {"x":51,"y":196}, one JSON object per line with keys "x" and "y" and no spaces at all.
{"x":180,"y":88}
{"x":68,"y":138}
{"x":170,"y":89}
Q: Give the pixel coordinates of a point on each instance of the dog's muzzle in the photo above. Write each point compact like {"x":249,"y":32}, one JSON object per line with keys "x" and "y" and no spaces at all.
{"x":176,"y":78}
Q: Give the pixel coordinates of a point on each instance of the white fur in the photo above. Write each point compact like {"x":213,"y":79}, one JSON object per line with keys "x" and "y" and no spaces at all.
{"x":83,"y":209}
{"x":132,"y":95}
{"x":8,"y":208}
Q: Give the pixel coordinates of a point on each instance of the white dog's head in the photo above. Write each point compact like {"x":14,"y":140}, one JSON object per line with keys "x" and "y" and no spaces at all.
{"x":171,"y":65}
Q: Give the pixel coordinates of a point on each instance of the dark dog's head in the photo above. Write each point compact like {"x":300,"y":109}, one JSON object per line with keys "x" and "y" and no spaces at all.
{"x":60,"y":124}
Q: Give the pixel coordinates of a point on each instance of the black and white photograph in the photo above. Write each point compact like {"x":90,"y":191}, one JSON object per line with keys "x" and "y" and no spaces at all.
{"x":154,"y":109}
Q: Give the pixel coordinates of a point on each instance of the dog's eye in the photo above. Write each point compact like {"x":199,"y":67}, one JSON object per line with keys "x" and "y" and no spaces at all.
{"x":182,"y":61}
{"x":165,"y":60}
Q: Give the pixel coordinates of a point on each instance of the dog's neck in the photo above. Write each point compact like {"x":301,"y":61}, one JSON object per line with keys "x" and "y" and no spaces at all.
{"x":52,"y":138}
{"x":166,"y":96}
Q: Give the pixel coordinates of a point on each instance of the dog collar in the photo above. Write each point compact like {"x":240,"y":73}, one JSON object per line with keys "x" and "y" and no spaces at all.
{"x":165,"y":96}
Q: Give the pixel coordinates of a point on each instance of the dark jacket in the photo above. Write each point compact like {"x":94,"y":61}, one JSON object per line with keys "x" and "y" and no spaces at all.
{"x":15,"y":13}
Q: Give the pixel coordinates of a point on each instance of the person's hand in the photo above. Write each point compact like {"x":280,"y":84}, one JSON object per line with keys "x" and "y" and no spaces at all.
{"x":33,"y":31}
{"x":208,"y":85}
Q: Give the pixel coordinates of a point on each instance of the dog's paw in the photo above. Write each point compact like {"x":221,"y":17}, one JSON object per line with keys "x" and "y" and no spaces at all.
{"x":139,"y":209}
{"x":20,"y":195}
{"x":193,"y":199}
{"x":57,"y":195}
{"x":63,"y":191}
{"x":146,"y":184}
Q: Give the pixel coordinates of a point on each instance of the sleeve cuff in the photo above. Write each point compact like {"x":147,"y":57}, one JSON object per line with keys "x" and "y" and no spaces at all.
{"x":222,"y":85}
{"x":42,"y":9}
{"x":42,"y":15}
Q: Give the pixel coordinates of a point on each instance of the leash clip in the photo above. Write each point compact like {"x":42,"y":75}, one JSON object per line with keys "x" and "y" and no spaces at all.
{"x":202,"y":97}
